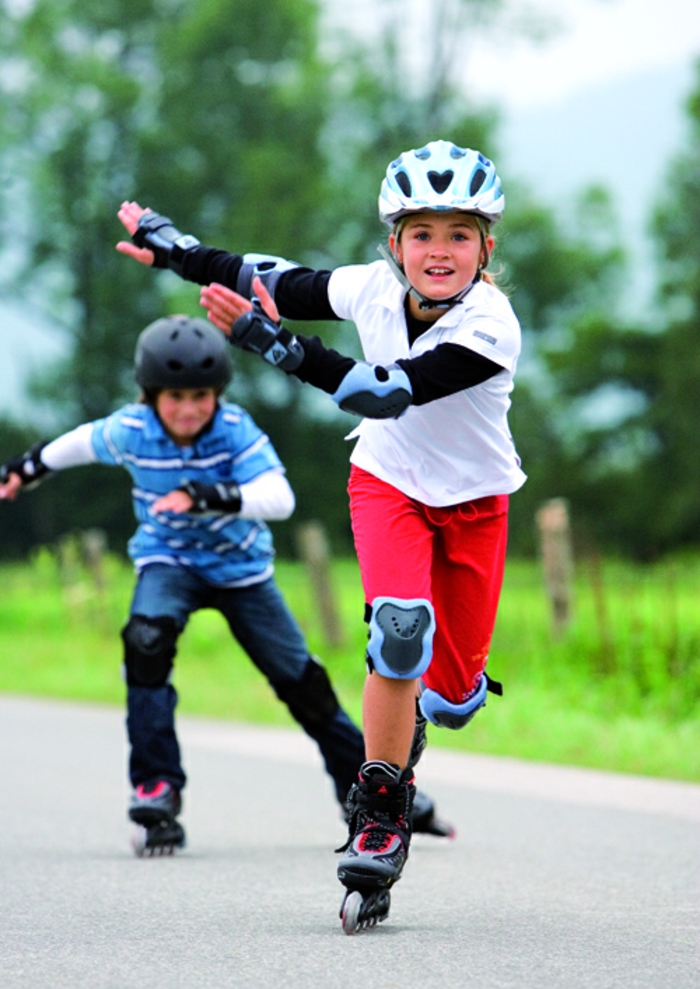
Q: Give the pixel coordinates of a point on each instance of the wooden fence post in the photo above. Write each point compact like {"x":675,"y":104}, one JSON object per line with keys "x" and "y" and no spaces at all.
{"x":557,"y":560}
{"x":94,"y":547}
{"x":315,"y":553}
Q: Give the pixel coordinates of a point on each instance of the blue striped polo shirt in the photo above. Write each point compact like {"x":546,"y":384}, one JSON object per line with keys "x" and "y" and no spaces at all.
{"x":223,"y":549}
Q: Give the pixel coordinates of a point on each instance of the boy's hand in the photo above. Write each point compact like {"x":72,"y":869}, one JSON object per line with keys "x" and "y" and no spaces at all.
{"x":224,"y":306}
{"x":176,"y":501}
{"x":129,"y":214}
{"x":10,"y":489}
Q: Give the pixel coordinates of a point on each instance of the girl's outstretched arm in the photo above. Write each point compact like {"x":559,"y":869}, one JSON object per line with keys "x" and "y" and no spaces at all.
{"x":129,"y":214}
{"x":224,"y":306}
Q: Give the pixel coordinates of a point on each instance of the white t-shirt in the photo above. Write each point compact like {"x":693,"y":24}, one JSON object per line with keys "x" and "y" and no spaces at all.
{"x":456,"y":448}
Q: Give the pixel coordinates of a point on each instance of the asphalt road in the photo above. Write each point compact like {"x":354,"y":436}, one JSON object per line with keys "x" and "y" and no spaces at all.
{"x":558,"y":878}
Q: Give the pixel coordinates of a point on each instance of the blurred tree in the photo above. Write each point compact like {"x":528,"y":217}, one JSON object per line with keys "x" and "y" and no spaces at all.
{"x":225,"y":116}
{"x":210,"y":110}
{"x":631,"y":392}
{"x":673,"y":467}
{"x":560,"y":280}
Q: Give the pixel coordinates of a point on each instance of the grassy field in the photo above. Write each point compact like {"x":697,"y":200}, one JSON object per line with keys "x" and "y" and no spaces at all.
{"x":619,"y":690}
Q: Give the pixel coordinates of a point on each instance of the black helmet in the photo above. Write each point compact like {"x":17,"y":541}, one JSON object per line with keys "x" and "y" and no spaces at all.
{"x":181,"y":352}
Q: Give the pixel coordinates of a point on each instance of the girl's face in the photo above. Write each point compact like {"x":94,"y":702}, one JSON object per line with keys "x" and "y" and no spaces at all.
{"x":440,"y":253}
{"x":184,"y":412}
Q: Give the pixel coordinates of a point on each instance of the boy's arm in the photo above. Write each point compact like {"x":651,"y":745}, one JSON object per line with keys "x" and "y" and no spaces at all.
{"x":268,"y":496}
{"x":24,"y":471}
{"x":43,"y":459}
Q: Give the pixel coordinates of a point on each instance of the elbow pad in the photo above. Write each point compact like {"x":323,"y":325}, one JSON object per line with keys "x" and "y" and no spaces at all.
{"x":374,"y":391}
{"x":30,"y":468}
{"x":167,"y":243}
{"x":264,"y":266}
{"x":259,"y":334}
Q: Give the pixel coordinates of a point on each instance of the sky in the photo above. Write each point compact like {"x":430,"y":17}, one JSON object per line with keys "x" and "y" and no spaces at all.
{"x":597,"y":42}
{"x":599,"y":101}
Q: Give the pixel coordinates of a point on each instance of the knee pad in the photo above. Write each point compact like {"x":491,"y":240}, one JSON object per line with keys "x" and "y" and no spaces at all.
{"x":444,"y":714}
{"x":149,"y":650}
{"x":401,"y":637}
{"x":311,"y":700}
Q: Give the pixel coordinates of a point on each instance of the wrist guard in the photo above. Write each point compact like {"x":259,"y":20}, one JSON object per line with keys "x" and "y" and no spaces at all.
{"x":29,"y":467}
{"x":374,"y":391}
{"x":213,"y":497}
{"x":259,"y":334}
{"x":167,"y":243}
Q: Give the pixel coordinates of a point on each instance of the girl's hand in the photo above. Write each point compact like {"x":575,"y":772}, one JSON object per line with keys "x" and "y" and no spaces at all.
{"x":129,"y":214}
{"x":10,"y":489}
{"x":176,"y":501}
{"x":224,"y":306}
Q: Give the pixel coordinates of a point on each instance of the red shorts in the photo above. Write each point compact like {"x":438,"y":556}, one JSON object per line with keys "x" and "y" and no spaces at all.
{"x":453,"y":557}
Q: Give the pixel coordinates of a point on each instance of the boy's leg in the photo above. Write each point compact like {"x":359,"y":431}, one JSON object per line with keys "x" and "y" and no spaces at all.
{"x":261,"y":622}
{"x":163,"y":599}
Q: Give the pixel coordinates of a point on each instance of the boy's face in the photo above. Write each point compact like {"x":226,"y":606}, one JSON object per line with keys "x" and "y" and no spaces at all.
{"x":184,"y":412}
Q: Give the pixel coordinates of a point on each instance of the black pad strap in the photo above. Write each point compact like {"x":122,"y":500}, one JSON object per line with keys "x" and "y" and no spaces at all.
{"x":213,"y":497}
{"x":494,"y":686}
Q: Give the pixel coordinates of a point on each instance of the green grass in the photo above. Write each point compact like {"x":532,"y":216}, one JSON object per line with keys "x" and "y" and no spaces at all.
{"x":619,"y":690}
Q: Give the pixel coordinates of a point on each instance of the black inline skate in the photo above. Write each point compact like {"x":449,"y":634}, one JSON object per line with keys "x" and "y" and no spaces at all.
{"x":377,"y":847}
{"x":154,"y":809}
{"x":424,"y":820}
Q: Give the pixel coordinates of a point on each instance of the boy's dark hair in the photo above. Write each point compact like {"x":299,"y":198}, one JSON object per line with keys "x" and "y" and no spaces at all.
{"x":149,"y":396}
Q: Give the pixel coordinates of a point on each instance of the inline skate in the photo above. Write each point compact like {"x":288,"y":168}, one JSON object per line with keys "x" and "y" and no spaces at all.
{"x":377,"y":847}
{"x":154,"y":809}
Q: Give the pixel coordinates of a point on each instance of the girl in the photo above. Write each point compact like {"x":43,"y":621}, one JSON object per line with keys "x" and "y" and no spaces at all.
{"x":431,"y":471}
{"x":205,"y":476}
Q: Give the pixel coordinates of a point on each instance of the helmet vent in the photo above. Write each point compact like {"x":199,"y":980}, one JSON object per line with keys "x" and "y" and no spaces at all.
{"x":175,"y":334}
{"x":477,"y":181}
{"x":404,"y":183}
{"x":440,"y":180}
{"x":175,"y":365}
{"x":207,"y":363}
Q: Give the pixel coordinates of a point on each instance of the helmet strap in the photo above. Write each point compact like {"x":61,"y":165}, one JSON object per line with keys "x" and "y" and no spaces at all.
{"x":424,"y":303}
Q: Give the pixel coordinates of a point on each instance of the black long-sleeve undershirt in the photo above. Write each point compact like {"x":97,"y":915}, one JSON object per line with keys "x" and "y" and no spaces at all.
{"x":446,"y":370}
{"x":302,"y":293}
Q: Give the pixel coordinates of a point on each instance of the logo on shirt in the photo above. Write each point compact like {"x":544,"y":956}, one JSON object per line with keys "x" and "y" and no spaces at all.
{"x":484,"y":336}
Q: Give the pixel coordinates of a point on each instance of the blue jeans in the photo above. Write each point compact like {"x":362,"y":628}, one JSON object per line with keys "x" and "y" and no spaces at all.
{"x":263,"y":625}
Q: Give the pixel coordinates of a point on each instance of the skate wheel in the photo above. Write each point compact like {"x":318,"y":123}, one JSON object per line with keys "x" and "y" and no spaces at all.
{"x":350,"y":913}
{"x":164,"y":838}
{"x":139,"y":837}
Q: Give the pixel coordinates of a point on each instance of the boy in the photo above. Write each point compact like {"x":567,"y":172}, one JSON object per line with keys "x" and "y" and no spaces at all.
{"x":205,"y":476}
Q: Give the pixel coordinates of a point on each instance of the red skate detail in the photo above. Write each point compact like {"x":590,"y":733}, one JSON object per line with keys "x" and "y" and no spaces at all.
{"x":378,"y":840}
{"x":150,"y":791}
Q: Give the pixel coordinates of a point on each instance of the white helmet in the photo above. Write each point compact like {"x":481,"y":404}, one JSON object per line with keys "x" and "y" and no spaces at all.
{"x":441,"y":176}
